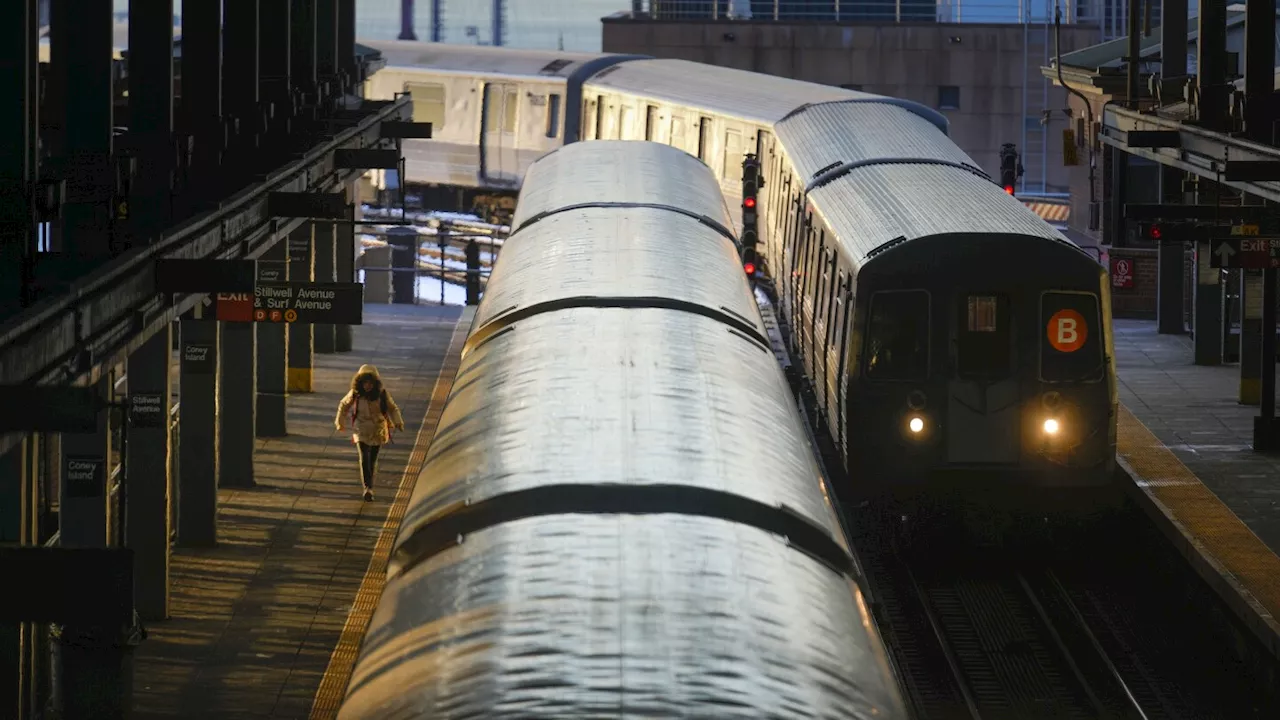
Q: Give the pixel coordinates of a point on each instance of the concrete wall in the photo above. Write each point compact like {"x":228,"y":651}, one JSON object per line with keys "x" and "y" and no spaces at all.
{"x":912,"y":61}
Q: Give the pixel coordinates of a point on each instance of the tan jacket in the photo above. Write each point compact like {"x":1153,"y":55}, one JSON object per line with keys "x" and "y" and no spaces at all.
{"x":371,"y":426}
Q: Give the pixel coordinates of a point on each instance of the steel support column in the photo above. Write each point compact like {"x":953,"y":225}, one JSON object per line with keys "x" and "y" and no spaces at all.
{"x":1170,"y":265}
{"x":327,"y":64}
{"x":301,"y":346}
{"x":1211,"y":66}
{"x":345,"y":266}
{"x":199,"y":422}
{"x":275,"y":57}
{"x":1250,"y":349}
{"x":273,"y":351}
{"x":324,"y":244}
{"x":147,"y":469}
{"x":347,"y":38}
{"x":1208,"y":301}
{"x":150,"y":62}
{"x":1264,"y":426}
{"x":237,"y":404}
{"x":240,"y":83}
{"x":302,"y":40}
{"x":17,"y":513}
{"x":18,"y":28}
{"x":91,"y":187}
{"x":202,"y":111}
{"x":1173,"y":43}
{"x":82,"y":517}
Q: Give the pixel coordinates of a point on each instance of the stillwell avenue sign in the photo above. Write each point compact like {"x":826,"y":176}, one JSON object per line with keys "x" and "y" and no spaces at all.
{"x":329,"y":303}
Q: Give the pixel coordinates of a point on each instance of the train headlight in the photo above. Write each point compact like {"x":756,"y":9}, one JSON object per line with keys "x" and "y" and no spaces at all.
{"x":1051,"y":426}
{"x":916,"y":425}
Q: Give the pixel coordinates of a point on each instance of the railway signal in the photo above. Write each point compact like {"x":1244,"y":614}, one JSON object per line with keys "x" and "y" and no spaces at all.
{"x":751,"y":184}
{"x":1010,"y":167}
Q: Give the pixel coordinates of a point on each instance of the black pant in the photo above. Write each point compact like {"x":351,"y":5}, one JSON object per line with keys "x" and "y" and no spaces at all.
{"x":368,"y":462}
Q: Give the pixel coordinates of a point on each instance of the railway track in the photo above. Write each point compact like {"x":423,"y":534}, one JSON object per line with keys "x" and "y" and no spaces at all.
{"x":1056,"y":631}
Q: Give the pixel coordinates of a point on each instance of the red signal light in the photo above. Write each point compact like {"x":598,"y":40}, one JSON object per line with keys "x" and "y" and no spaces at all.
{"x":750,"y":268}
{"x":1008,"y":189}
{"x":1155,"y":232}
{"x":749,"y":202}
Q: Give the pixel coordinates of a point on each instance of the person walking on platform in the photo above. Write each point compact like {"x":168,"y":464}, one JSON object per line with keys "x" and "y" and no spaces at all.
{"x":371,"y":413}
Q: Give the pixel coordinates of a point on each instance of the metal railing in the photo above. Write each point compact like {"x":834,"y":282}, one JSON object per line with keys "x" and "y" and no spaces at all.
{"x":929,"y":11}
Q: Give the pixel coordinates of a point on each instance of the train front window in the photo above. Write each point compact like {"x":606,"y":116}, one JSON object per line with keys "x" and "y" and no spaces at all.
{"x":898,"y":336}
{"x":1071,"y":342}
{"x":984,"y":340}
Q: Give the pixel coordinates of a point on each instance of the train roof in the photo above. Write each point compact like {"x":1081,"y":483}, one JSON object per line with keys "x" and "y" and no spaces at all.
{"x":620,"y":171}
{"x":480,"y":59}
{"x":875,"y":204}
{"x":760,"y":98}
{"x":611,"y":254}
{"x":822,"y":144}
{"x":575,"y":616}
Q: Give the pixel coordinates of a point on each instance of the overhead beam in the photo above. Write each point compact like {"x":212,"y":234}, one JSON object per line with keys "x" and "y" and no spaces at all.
{"x":120,"y":306}
{"x":1210,"y":155}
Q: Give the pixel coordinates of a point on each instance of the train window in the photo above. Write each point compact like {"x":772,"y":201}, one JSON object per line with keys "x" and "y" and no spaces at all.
{"x":599,"y":117}
{"x":553,"y":116}
{"x":704,"y":136}
{"x":984,"y":337}
{"x":510,"y":103}
{"x":1071,"y":342}
{"x":898,"y":335}
{"x":428,"y":103}
{"x":650,"y":116}
{"x":982,"y":313}
{"x":677,"y":132}
{"x":731,"y":168}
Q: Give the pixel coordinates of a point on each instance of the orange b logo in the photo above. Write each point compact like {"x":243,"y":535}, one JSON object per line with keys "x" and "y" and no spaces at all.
{"x":1067,"y":331}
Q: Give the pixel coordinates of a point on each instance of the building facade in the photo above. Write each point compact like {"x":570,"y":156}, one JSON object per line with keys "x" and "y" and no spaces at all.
{"x":985,"y":78}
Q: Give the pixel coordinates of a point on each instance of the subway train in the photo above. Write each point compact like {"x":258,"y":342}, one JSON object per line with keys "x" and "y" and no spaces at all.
{"x":620,"y":514}
{"x":954,"y":342}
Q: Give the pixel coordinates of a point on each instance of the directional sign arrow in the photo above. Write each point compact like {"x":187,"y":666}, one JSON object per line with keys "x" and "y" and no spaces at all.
{"x":1224,"y":251}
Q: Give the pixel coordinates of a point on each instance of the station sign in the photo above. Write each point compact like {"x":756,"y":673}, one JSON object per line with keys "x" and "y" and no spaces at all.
{"x":1245,"y":248}
{"x":147,"y":410}
{"x":85,"y":475}
{"x":1122,"y":273}
{"x":330,"y":303}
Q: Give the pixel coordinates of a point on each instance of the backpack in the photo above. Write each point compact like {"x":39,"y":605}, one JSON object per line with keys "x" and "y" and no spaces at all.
{"x":382,"y":405}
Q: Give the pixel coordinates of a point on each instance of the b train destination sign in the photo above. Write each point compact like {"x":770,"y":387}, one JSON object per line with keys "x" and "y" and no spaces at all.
{"x":329,"y":303}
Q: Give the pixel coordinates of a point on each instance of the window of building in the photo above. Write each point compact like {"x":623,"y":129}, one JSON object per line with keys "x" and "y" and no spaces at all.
{"x":948,"y":97}
{"x":898,"y":335}
{"x":428,"y":103}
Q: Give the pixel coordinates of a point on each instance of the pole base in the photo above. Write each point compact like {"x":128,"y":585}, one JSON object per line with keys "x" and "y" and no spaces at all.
{"x":1266,"y":435}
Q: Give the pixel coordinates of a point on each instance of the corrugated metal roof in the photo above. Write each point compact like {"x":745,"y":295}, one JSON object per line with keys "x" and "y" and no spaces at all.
{"x":468,"y":58}
{"x":875,"y":204}
{"x":618,"y":252}
{"x":620,"y":171}
{"x":752,"y":96}
{"x":859,"y":131}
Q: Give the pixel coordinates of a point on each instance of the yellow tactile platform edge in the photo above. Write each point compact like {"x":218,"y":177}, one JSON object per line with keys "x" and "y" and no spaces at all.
{"x":333,"y":686}
{"x":1221,"y":538}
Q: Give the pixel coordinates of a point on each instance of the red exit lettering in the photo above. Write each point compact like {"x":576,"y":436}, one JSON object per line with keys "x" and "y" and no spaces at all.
{"x":1255,"y":245}
{"x":235,"y":297}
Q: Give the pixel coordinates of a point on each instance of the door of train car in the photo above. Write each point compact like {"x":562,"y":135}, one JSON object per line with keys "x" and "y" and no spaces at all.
{"x":498,"y":133}
{"x":983,"y":417}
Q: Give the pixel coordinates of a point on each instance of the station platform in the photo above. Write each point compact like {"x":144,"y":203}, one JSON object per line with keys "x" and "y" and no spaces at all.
{"x":1187,"y":444}
{"x":267,"y":624}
